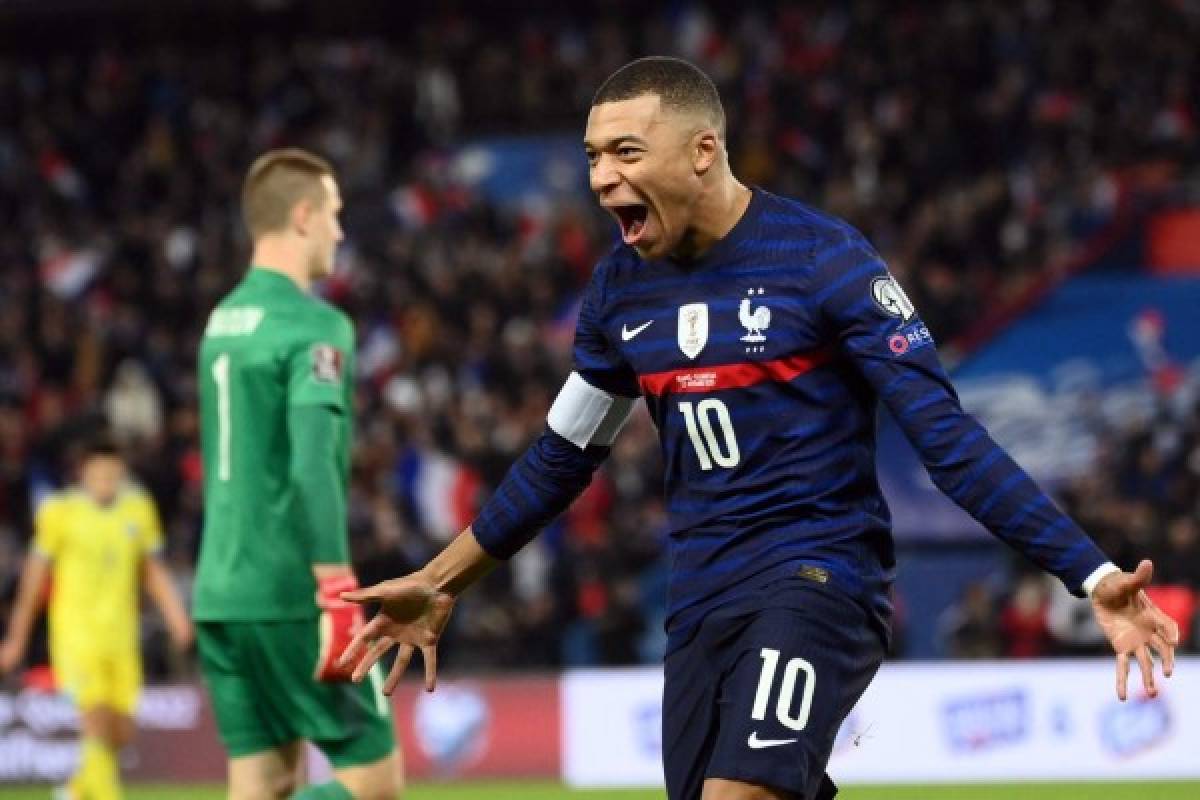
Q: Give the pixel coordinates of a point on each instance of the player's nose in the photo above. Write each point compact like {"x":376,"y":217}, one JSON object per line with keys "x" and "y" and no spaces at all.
{"x":604,"y":175}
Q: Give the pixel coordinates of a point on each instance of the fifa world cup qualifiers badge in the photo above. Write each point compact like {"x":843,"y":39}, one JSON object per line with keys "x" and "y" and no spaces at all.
{"x":891,"y":299}
{"x":326,"y":363}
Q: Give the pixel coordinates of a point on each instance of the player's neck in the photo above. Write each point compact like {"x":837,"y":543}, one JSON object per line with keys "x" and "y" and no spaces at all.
{"x":714,"y":216}
{"x":282,"y":256}
{"x":104,"y":501}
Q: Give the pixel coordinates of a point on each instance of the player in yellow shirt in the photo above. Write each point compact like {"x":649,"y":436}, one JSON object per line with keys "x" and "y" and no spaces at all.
{"x":100,"y":541}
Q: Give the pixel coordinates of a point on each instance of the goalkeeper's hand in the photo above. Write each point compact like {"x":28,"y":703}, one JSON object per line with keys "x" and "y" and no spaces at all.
{"x":339,"y":622}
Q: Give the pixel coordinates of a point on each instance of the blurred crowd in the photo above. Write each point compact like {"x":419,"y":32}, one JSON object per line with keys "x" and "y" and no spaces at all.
{"x":976,"y":143}
{"x":1141,"y":499}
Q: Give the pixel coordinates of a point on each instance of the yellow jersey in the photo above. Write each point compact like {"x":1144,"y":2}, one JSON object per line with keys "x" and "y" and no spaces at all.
{"x":96,"y":553}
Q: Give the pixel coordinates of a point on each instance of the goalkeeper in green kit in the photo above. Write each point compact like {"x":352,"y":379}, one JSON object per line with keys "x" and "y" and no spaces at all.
{"x":276,"y":396}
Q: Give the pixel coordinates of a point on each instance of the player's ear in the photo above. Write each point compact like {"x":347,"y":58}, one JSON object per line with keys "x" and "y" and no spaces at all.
{"x":302,"y":216}
{"x":705,"y":149}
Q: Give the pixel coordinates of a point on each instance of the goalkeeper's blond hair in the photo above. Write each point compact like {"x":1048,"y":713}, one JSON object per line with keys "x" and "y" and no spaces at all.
{"x":276,"y":182}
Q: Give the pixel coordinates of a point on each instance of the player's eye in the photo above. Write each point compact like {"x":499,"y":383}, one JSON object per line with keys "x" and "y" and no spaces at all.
{"x":628,"y":151}
{"x":591,"y":157}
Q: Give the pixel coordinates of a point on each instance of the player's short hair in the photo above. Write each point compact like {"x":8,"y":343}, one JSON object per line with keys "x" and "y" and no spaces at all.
{"x":100,"y":443}
{"x":275,"y":182}
{"x":679,"y":85}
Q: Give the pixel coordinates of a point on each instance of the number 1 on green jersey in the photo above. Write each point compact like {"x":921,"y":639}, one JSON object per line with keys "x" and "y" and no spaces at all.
{"x":220,"y":373}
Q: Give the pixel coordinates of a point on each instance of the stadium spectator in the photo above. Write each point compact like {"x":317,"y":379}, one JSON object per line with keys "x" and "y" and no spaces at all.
{"x":1024,"y":624}
{"x":970,"y":628}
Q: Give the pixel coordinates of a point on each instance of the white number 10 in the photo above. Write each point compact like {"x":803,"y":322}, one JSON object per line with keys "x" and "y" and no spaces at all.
{"x":220,"y":373}
{"x":709,"y":449}
{"x":787,"y":690}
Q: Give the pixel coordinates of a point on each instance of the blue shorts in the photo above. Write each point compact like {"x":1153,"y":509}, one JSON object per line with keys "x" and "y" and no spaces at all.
{"x":758,"y":695}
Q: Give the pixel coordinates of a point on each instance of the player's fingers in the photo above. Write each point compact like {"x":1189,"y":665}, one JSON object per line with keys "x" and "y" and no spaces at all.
{"x":403,"y":656}
{"x":353,"y":649}
{"x":1167,"y":628}
{"x":376,"y":652}
{"x":1147,"y":667}
{"x":1122,"y":675}
{"x":440,"y":607}
{"x":366,"y":634}
{"x":1144,"y":573}
{"x":429,"y":655}
{"x":363,"y":595}
{"x":394,"y":589}
{"x":1166,"y":653}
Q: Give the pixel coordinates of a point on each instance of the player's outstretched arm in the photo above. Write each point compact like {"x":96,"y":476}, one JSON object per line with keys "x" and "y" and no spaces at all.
{"x":414,"y":610}
{"x":33,"y":580}
{"x":880,"y":331}
{"x":157,"y":581}
{"x":539,"y":486}
{"x":1134,"y":625}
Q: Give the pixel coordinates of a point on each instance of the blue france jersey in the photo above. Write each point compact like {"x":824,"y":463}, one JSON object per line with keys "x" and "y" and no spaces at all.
{"x":761,"y":364}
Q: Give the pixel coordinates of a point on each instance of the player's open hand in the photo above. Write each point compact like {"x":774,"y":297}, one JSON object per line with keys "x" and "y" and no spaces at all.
{"x":1133,"y":625}
{"x":411,"y":616}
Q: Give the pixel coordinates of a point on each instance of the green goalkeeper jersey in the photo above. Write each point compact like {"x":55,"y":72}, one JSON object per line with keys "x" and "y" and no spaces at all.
{"x":271,"y":353}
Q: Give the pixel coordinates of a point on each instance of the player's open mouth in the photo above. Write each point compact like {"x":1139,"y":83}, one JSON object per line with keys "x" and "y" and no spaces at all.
{"x":632,"y":218}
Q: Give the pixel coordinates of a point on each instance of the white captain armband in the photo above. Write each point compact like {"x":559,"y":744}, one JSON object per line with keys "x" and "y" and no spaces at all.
{"x":585,"y":415}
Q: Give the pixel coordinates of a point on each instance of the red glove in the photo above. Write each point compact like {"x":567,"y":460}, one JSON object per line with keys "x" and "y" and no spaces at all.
{"x":339,"y":622}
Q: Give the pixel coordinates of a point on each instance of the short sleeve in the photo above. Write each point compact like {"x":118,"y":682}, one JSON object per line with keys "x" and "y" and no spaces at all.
{"x":320,"y":364}
{"x":48,"y":528}
{"x":596,"y":360}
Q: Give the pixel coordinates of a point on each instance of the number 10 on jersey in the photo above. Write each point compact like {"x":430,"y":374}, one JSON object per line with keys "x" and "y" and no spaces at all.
{"x":705,"y":417}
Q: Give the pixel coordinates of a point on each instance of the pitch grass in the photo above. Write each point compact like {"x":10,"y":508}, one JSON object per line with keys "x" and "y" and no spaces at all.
{"x":545,"y":791}
{"x":549,"y":791}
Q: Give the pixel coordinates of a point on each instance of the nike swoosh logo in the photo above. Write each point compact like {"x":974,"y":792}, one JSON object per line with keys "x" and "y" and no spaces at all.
{"x":627,"y":334}
{"x":758,"y":744}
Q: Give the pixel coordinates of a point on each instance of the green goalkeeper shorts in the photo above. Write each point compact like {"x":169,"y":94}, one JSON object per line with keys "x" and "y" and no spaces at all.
{"x":260,"y":678}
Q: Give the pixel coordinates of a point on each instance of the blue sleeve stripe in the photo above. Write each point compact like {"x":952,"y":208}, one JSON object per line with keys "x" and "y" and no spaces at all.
{"x":963,"y":443}
{"x":926,"y":400}
{"x":830,"y":253}
{"x":946,"y":423}
{"x":866,"y":305}
{"x":1068,"y":557}
{"x":999,"y":493}
{"x":1028,"y":508}
{"x":895,"y":384}
{"x":859,"y":272}
{"x":975,"y":474}
{"x":1050,"y":532}
{"x":932,"y":435}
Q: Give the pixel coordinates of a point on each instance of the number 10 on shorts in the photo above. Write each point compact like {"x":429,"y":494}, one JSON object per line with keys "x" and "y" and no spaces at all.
{"x":787,"y":690}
